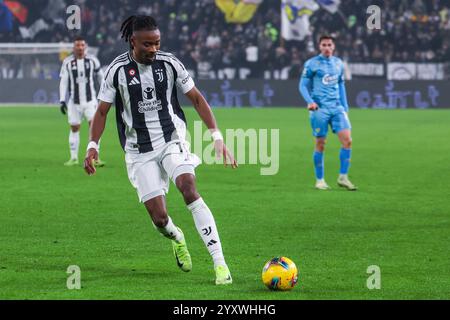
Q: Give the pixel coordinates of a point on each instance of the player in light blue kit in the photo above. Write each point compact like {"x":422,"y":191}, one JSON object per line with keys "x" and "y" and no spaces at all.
{"x":322,"y":87}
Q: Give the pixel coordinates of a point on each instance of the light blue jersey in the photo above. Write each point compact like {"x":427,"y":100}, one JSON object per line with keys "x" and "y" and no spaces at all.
{"x":322,"y":82}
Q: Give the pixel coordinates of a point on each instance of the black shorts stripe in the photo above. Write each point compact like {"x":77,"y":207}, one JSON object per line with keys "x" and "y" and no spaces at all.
{"x":160,"y":79}
{"x":139,"y":124}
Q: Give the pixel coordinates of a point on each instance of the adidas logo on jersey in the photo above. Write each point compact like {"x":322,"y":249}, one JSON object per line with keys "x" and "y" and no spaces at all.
{"x":134,"y":81}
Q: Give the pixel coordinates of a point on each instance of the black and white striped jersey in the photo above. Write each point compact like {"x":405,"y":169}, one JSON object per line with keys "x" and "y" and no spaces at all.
{"x":77,"y":76}
{"x":148,"y":113}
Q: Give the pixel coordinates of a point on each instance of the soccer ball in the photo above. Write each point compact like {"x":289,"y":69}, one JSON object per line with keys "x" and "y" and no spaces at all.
{"x":280,"y":273}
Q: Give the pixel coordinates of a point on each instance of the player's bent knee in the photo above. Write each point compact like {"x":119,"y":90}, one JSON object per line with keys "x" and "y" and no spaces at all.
{"x":190,"y":193}
{"x":157,"y":211}
{"x":320,"y":145}
{"x":75,"y":128}
{"x":348,"y":144}
{"x":159,"y":216}
{"x":186,"y":184}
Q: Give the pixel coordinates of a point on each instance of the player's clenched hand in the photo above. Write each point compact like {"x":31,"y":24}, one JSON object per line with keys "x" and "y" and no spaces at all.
{"x":313,"y":106}
{"x":222,"y":150}
{"x":91,"y":157}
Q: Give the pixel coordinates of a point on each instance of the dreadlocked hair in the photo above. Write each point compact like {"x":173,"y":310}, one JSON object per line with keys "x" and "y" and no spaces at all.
{"x":137,"y":23}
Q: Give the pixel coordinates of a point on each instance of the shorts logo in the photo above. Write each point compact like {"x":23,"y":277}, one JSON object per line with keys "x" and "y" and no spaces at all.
{"x":160,"y":74}
{"x":132,"y":72}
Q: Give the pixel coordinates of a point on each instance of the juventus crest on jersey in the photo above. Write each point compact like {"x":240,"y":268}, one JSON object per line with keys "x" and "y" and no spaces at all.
{"x":147,"y":109}
{"x":77,"y":76}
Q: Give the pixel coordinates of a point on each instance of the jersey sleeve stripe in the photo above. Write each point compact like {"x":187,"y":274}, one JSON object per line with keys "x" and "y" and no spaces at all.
{"x":171,"y":56}
{"x":122,"y":61}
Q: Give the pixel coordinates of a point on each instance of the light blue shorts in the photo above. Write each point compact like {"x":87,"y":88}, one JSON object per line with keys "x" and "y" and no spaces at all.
{"x":322,"y":118}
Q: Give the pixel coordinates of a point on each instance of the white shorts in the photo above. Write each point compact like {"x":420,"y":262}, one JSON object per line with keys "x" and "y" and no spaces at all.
{"x":76,"y":112}
{"x":149,"y":172}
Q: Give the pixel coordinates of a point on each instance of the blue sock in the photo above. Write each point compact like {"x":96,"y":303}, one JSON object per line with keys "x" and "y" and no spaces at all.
{"x":318,"y":164}
{"x":345,"y":156}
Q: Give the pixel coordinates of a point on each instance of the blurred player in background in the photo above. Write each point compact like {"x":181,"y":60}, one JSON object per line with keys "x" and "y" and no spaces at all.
{"x":77,"y":78}
{"x":322,"y":87}
{"x":152,"y":129}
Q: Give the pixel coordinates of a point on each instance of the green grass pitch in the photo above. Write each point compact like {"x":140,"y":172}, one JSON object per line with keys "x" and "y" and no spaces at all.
{"x":52,"y":216}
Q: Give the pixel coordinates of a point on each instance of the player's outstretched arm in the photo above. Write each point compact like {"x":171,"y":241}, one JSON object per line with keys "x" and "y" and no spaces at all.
{"x":96,"y":131}
{"x":204,"y":111}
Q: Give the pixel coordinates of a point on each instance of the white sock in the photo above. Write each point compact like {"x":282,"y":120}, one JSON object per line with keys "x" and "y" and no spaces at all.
{"x":74,"y":144}
{"x":343,"y":176}
{"x":206,"y":227}
{"x":170,"y":231}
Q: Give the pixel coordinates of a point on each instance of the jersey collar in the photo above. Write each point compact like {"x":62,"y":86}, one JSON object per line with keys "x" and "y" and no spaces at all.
{"x":325,"y":58}
{"x":130,"y":54}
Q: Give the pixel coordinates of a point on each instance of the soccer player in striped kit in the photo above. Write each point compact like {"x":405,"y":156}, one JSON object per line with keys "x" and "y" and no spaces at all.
{"x":152,"y":127}
{"x":77,"y":79}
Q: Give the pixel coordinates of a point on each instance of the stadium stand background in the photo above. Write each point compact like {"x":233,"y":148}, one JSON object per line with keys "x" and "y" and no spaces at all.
{"x":413,"y":44}
{"x":412,"y":31}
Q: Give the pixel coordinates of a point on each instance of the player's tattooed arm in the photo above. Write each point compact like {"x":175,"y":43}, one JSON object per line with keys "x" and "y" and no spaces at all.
{"x":96,"y":131}
{"x":204,"y":111}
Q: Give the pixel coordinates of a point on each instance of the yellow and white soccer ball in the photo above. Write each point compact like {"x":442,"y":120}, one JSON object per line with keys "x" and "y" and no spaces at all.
{"x":280,"y":273}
